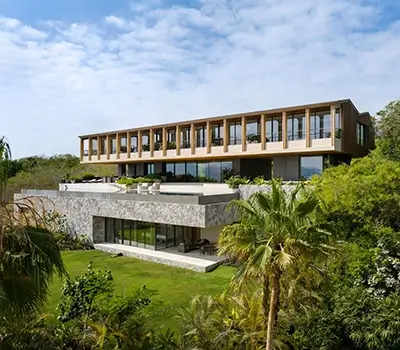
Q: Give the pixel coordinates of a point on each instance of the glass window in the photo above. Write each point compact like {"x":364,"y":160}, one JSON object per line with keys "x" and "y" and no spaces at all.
{"x":235,"y":133}
{"x":157,"y":140}
{"x":185,"y":137}
{"x":274,"y":129}
{"x":338,"y":124}
{"x":310,"y":166}
{"x":226,"y":170}
{"x":320,"y":125}
{"x":201,"y":136}
{"x":180,"y":169}
{"x":119,"y":238}
{"x":110,"y":230}
{"x":113,"y":145}
{"x":202,"y":171}
{"x":150,"y":169}
{"x":134,"y":143}
{"x":253,"y":131}
{"x":161,"y":236}
{"x":145,"y":142}
{"x":123,"y":141}
{"x":217,"y":134}
{"x":126,"y":232}
{"x":103,"y":145}
{"x":171,"y":236}
{"x":191,"y":171}
{"x":361,"y":134}
{"x":170,"y":169}
{"x":215,"y":171}
{"x":296,"y":127}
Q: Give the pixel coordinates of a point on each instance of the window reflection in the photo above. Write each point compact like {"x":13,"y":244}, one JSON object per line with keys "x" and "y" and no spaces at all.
{"x":320,"y":125}
{"x":310,"y":166}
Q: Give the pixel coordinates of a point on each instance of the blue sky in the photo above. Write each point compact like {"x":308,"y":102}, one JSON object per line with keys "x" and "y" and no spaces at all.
{"x":81,"y":66}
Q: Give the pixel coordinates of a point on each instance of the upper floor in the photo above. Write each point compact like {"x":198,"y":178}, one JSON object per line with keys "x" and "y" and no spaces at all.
{"x":334,"y":126}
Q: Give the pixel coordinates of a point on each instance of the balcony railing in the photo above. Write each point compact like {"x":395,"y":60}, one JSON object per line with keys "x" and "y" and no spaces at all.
{"x":253,"y":138}
{"x":321,"y":134}
{"x":219,"y":141}
{"x":185,"y":144}
{"x":200,"y":143}
{"x":296,"y":136}
{"x":235,"y":140}
{"x":274,"y":137}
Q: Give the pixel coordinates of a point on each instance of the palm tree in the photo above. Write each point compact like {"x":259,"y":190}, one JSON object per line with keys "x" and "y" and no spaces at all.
{"x":29,"y":255}
{"x":277,"y":233}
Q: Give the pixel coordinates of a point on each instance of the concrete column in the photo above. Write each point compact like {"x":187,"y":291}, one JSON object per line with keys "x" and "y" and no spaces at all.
{"x":82,"y":149}
{"x":151,"y":135}
{"x":226,"y":135}
{"x":139,"y":143}
{"x":178,"y":140}
{"x":98,"y":147}
{"x":244,"y":141}
{"x":284,"y":130}
{"x":208,"y":141}
{"x":164,"y":141}
{"x":192,"y":139}
{"x":131,"y":170}
{"x":263,"y":136}
{"x":118,"y":142}
{"x":121,"y":170}
{"x":308,"y":128}
{"x":108,"y":146}
{"x":90,"y":148}
{"x":128,"y":144}
{"x":333,"y":125}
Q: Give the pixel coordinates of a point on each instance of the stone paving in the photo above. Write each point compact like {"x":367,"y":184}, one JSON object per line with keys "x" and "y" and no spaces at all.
{"x":192,"y":261}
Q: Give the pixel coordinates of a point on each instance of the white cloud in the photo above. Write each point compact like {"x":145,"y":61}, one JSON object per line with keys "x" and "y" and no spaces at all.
{"x":176,"y":63}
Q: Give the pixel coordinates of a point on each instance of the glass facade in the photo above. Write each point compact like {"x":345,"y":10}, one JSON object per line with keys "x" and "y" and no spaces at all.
{"x":103,"y":145}
{"x":361,"y":133}
{"x":274,"y":129}
{"x":148,"y":235}
{"x":198,"y":171}
{"x":235,"y":133}
{"x":320,"y":124}
{"x":145,"y":142}
{"x":134,"y":143}
{"x":310,"y":166}
{"x":124,"y":143}
{"x":150,"y":168}
{"x":217,"y":134}
{"x":157,"y":140}
{"x":113,"y":141}
{"x":253,"y":131}
{"x":296,"y":127}
{"x":185,"y":137}
{"x":201,"y":136}
{"x":338,"y":124}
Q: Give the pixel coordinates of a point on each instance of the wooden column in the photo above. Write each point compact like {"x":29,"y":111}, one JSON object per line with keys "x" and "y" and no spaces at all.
{"x":98,"y":147}
{"x":226,"y":136}
{"x":128,"y":145}
{"x":263,"y":135}
{"x":108,"y":146}
{"x":208,"y":140}
{"x":118,"y":142}
{"x":139,"y":143}
{"x":151,"y":135}
{"x":82,"y":150}
{"x":244,"y":141}
{"x":164,"y":141}
{"x":284,"y":130}
{"x":178,"y":140}
{"x":333,"y":125}
{"x":90,"y":148}
{"x":192,"y":138}
{"x":308,"y":128}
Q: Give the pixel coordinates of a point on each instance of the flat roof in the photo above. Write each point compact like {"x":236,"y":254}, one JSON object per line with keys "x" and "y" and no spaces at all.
{"x":229,"y":116}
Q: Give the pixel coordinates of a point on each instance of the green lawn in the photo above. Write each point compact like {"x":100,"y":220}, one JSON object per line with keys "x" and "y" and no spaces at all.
{"x":174,"y":287}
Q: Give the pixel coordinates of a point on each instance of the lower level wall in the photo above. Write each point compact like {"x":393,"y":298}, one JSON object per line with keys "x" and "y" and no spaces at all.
{"x":211,"y":233}
{"x":287,"y":168}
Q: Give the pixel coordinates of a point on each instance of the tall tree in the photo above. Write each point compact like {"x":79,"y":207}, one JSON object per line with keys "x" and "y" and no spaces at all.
{"x":388,"y":128}
{"x":29,"y":256}
{"x":277,"y":233}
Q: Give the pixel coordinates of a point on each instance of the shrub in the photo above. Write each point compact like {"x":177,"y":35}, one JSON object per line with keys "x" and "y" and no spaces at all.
{"x":259,"y":180}
{"x":87,"y":176}
{"x":235,"y":181}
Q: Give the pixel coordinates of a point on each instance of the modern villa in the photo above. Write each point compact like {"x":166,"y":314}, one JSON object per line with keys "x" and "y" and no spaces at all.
{"x":193,"y":158}
{"x":291,"y":143}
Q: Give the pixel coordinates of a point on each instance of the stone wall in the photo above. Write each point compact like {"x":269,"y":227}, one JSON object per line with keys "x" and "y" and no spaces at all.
{"x":84,"y":212}
{"x":246,"y":191}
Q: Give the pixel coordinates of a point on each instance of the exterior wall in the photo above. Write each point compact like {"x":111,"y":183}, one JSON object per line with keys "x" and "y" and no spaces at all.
{"x":288,"y":168}
{"x":246,"y":191}
{"x":350,"y":117}
{"x":84,"y":210}
{"x":131,"y":170}
{"x":253,"y":167}
{"x":121,"y":169}
{"x":211,"y":233}
{"x":140,"y":169}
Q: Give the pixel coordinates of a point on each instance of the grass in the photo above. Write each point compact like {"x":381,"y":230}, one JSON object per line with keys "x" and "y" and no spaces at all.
{"x":172,"y":287}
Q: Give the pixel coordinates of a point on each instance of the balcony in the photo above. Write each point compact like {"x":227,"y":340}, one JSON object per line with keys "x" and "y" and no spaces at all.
{"x":253,"y":142}
{"x":146,"y":151}
{"x":235,"y":144}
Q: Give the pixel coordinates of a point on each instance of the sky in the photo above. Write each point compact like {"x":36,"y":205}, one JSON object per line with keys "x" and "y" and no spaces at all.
{"x":73,"y":67}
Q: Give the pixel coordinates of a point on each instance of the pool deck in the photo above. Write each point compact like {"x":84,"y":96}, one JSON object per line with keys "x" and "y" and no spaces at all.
{"x":170,"y":256}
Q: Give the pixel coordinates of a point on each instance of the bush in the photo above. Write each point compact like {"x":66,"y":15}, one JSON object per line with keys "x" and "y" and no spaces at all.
{"x":235,"y":181}
{"x":87,"y":176}
{"x":259,"y":180}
